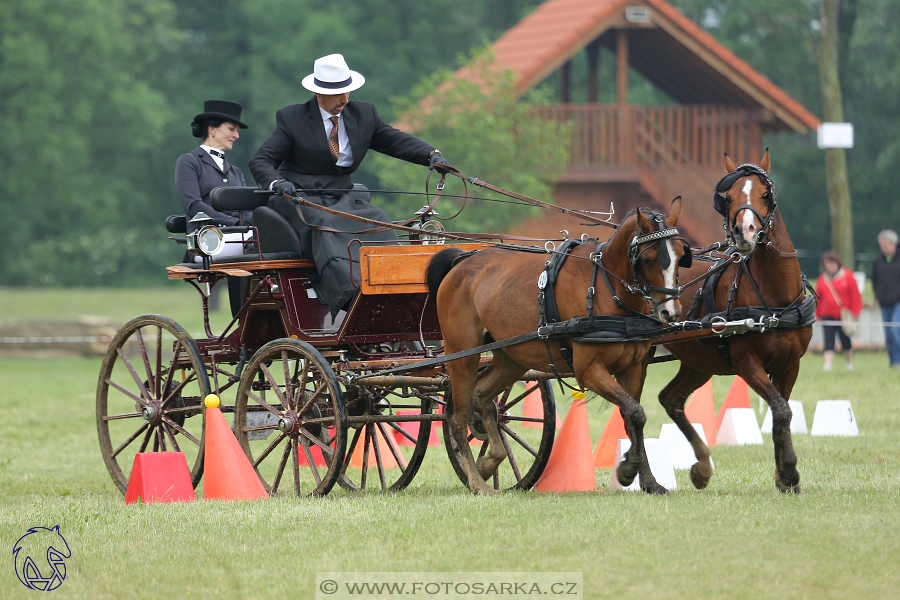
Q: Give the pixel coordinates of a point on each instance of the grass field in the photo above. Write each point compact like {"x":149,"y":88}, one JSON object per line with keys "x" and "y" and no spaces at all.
{"x":739,"y":538}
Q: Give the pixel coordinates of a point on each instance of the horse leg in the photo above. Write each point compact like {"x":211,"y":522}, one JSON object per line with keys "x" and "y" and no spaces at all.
{"x":502,"y":373}
{"x":463,"y":374}
{"x":787,"y":478}
{"x":600,"y":381}
{"x":672,"y":398}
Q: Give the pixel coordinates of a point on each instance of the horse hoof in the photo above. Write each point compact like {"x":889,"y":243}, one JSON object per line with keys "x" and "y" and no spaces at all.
{"x":700,"y":476}
{"x":624,"y":476}
{"x":484,"y":469}
{"x":656,"y":490}
{"x":785,"y":488}
{"x":483,"y":490}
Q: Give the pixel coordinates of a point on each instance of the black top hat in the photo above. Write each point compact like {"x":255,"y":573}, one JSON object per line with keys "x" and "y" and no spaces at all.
{"x":221,"y":110}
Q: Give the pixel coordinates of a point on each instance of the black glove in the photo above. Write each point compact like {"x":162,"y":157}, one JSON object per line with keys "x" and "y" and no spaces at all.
{"x":435,"y":160}
{"x":283,"y":186}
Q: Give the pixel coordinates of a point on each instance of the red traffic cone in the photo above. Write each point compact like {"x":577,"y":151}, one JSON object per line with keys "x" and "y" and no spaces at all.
{"x":701,"y":409}
{"x":228,"y":475}
{"x":159,"y":477}
{"x":570,"y":468}
{"x":738,"y":397}
{"x":605,"y":452}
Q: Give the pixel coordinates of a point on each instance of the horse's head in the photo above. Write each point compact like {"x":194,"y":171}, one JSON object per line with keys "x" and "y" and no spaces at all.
{"x":655,"y":253}
{"x":745,"y":197}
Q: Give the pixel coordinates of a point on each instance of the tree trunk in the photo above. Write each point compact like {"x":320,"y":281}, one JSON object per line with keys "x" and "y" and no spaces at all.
{"x":835,"y":158}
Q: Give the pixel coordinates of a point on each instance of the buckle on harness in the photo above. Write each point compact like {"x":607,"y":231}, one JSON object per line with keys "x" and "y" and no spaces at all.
{"x":544,"y":332}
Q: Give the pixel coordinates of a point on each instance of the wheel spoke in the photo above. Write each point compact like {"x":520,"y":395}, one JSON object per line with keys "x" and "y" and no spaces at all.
{"x":268,"y":450}
{"x":520,"y":441}
{"x":147,"y":366}
{"x":311,"y":461}
{"x":296,"y":465}
{"x":520,"y":397}
{"x":288,"y":389}
{"x":156,"y":439}
{"x":264,"y":404}
{"x":392,"y":445}
{"x":379,"y":463}
{"x":158,"y":379}
{"x":284,"y":458}
{"x":180,"y":429}
{"x":127,"y":393}
{"x":130,"y":439}
{"x":365,"y":458}
{"x":172,"y":364}
{"x":351,"y":450}
{"x":274,"y":384}
{"x":510,"y":456}
{"x":322,"y":446}
{"x":177,"y":389}
{"x":167,"y":428}
{"x":404,"y":432}
{"x":125,"y":416}
{"x":134,"y":375}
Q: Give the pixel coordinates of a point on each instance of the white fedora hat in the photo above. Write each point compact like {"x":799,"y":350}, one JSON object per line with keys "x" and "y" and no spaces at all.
{"x":332,"y":76}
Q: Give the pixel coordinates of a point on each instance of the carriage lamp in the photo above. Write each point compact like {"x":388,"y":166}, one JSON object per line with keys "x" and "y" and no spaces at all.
{"x":428,"y":226}
{"x":207,"y":239}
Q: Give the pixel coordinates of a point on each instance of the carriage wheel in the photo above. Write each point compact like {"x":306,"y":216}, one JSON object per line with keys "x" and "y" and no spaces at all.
{"x":290,"y":419}
{"x":149,"y":396}
{"x":527,"y":439}
{"x":387,"y":452}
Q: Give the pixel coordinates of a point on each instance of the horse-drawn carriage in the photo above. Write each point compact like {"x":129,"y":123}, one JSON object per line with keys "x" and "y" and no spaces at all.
{"x":351,"y":398}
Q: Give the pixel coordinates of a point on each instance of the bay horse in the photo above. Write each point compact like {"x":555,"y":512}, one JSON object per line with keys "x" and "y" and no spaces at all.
{"x":497,"y":294}
{"x":768,"y":277}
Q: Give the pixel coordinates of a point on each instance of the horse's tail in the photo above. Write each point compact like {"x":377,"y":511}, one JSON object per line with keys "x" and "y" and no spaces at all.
{"x":438,"y":267}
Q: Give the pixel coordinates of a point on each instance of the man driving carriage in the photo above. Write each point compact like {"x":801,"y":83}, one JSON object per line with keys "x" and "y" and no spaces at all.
{"x":313,"y":152}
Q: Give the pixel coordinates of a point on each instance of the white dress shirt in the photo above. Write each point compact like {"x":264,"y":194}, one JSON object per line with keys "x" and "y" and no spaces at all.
{"x":219,"y":160}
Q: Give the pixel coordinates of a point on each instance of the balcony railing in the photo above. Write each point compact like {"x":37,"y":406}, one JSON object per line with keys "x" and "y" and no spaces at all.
{"x":610,"y":136}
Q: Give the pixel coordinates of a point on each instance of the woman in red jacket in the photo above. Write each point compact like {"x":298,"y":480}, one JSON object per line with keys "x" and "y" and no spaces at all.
{"x":837,"y":289}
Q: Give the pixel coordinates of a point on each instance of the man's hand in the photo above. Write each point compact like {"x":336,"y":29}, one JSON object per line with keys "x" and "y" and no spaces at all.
{"x":436,"y":160}
{"x":284,"y":187}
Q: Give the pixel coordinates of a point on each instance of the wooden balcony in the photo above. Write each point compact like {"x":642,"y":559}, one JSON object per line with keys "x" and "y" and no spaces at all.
{"x":614,"y":142}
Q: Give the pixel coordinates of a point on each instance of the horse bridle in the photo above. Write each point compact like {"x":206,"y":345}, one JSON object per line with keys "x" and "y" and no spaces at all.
{"x":648,"y":240}
{"x":722,"y":201}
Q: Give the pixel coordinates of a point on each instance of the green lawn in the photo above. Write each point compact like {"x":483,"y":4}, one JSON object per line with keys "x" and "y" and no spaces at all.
{"x":739,"y":538}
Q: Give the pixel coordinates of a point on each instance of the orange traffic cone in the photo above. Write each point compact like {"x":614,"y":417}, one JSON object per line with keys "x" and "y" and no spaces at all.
{"x":701,"y":409}
{"x":533,"y":406}
{"x":569,"y":468}
{"x":738,"y":397}
{"x":387,"y":457}
{"x":605,"y":452}
{"x":228,"y":473}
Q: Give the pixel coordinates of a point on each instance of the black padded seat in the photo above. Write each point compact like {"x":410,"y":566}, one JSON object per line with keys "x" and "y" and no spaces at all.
{"x":276,"y":234}
{"x":238,"y":198}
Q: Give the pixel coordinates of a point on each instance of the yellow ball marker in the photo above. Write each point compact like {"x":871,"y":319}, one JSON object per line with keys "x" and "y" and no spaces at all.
{"x":578,"y":395}
{"x":211,"y":401}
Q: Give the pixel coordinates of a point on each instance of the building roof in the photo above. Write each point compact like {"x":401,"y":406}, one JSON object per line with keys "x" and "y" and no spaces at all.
{"x":671,"y":51}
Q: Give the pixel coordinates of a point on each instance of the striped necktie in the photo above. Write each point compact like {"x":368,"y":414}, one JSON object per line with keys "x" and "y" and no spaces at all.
{"x":333,"y":144}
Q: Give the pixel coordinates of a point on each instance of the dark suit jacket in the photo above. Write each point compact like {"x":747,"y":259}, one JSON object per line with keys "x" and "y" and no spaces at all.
{"x":196,"y":174}
{"x":300,"y":148}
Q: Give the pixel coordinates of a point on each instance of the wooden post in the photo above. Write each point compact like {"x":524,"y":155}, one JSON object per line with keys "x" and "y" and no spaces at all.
{"x":593,"y":56}
{"x":621,"y":66}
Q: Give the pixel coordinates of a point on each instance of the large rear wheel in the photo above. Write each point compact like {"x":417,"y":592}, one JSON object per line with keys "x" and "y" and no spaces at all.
{"x":149,"y":396}
{"x":290,"y":419}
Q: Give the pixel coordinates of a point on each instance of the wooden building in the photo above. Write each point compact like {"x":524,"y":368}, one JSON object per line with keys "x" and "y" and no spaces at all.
{"x":638,"y":155}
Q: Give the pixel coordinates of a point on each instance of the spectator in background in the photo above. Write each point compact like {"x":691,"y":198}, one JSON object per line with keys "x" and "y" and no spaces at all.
{"x":837,"y":290}
{"x":886,"y":285}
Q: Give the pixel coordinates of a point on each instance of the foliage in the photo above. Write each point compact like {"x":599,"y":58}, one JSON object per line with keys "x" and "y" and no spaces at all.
{"x":481,"y":129}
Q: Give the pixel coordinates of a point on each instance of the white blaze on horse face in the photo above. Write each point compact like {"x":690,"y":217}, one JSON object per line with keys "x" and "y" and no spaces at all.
{"x":669,"y":275}
{"x":747,"y":225}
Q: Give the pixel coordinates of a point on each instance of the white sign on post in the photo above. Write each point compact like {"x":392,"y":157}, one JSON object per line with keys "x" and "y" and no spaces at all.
{"x":834,"y":417}
{"x":835,"y":135}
